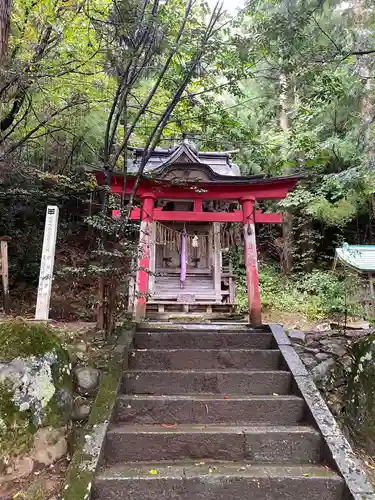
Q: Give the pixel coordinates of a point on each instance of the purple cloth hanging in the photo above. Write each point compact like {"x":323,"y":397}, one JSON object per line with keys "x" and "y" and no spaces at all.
{"x":183,"y":256}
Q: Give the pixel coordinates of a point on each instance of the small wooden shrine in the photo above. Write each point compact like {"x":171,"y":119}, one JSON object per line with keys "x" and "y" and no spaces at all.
{"x":195,"y":207}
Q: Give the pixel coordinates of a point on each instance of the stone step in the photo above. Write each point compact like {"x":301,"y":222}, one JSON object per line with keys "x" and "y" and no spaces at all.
{"x":189,"y":359}
{"x":271,"y":444}
{"x":223,"y":326}
{"x":209,"y":409}
{"x":203,"y":340}
{"x":217,"y":481}
{"x":223,"y":382}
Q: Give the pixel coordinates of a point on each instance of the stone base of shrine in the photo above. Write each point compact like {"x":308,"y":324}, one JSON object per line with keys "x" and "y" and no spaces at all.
{"x":167,"y":310}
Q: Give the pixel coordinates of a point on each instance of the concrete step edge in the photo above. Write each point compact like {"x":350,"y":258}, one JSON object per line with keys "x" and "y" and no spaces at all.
{"x":214,"y":350}
{"x":210,"y":397}
{"x":211,"y":429}
{"x":205,"y":372}
{"x":205,"y":327}
{"x":179,"y":331}
{"x":165,"y":470}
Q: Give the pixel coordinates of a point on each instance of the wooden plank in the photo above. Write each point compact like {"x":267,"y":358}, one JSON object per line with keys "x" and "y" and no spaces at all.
{"x":203,"y":302}
{"x":211,"y":250}
{"x":217,"y":260}
{"x":131,"y":293}
{"x":232,"y":291}
{"x":47,"y":263}
{"x":151,"y":280}
{"x":4,"y":274}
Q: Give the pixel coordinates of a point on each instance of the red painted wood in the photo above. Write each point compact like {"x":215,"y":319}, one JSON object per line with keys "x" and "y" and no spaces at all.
{"x":144,"y":261}
{"x":234,"y":192}
{"x":198,"y":206}
{"x":261,"y":218}
{"x":250,"y":254}
{"x":236,"y":216}
{"x":262,"y":189}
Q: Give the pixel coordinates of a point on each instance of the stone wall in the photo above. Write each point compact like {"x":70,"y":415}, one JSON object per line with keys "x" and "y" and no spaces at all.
{"x":342,"y":363}
{"x":321,"y":351}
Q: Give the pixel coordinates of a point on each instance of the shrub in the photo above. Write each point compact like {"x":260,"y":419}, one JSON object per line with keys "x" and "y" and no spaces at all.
{"x":316,"y":295}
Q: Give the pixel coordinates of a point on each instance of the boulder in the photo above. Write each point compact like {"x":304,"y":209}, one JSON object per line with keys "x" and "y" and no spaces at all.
{"x":322,"y":369}
{"x":309,"y":361}
{"x":297,"y":336}
{"x":21,"y":467}
{"x":321,"y":356}
{"x":81,"y":411}
{"x":334,"y":346}
{"x":49,"y":445}
{"x":311,"y":350}
{"x":87,"y":379}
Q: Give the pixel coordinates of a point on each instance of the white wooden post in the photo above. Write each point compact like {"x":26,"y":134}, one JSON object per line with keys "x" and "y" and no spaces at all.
{"x":47,"y":263}
{"x":5,"y":271}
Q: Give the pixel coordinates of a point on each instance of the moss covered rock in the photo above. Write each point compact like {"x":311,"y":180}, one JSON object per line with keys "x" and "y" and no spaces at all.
{"x":35,"y":383}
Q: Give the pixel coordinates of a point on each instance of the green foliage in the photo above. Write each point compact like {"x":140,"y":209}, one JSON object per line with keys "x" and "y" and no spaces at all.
{"x":24,"y":198}
{"x":23,"y":339}
{"x":316,"y":295}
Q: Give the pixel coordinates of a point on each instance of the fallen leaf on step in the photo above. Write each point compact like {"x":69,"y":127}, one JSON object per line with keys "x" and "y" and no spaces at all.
{"x":169,"y":425}
{"x":153,"y":472}
{"x":226,"y":397}
{"x":306,"y":475}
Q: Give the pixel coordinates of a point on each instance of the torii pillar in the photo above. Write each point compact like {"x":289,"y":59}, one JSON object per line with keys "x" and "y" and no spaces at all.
{"x":251,"y":260}
{"x":143,"y":273}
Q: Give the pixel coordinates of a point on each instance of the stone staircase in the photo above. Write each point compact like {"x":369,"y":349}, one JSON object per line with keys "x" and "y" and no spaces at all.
{"x":210,"y":413}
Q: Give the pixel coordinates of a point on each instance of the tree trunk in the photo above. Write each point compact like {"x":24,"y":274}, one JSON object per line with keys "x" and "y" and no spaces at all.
{"x":286,"y":257}
{"x":364,"y":70}
{"x":5,"y":9}
{"x":101,"y":305}
{"x":287,"y":254}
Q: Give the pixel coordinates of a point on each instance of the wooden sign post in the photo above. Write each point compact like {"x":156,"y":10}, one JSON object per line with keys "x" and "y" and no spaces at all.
{"x":4,"y":271}
{"x":47,"y":263}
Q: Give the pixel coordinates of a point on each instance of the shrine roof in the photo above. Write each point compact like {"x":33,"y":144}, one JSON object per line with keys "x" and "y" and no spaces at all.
{"x":219,"y":179}
{"x":359,"y":257}
{"x":185,"y":154}
{"x":197,"y":167}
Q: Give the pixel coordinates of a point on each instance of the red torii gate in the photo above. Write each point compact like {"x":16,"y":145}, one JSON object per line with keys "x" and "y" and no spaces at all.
{"x":246,"y":190}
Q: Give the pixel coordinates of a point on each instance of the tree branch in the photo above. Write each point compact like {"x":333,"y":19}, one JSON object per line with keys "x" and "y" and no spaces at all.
{"x":152,"y":92}
{"x":159,"y":127}
{"x":33,"y":131}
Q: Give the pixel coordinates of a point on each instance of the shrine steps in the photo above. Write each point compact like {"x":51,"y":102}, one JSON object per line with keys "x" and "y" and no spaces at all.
{"x":184,"y":409}
{"x":215,"y":481}
{"x":169,"y":310}
{"x":191,"y":359}
{"x":198,"y":297}
{"x":210,"y":412}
